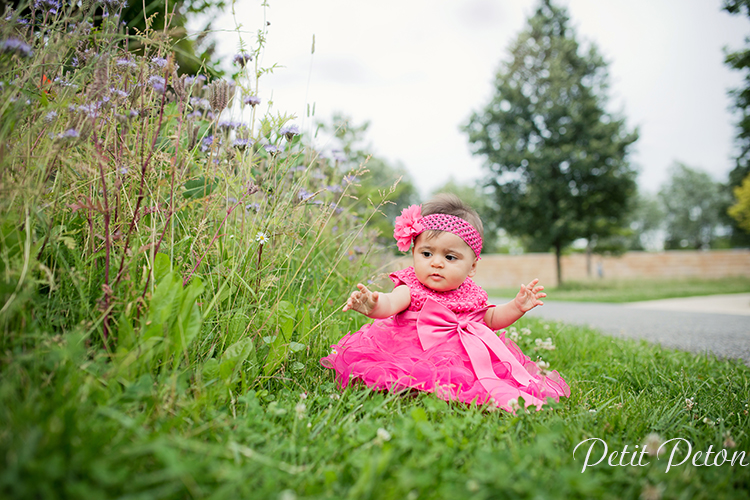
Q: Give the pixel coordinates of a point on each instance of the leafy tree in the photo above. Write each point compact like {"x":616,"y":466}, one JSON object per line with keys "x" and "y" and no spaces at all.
{"x":558,"y":159}
{"x":646,"y":221}
{"x":693,"y":204}
{"x":740,"y":211}
{"x":740,"y":61}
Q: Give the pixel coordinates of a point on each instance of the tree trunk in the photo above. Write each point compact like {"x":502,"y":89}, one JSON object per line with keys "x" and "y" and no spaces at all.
{"x":558,"y":259}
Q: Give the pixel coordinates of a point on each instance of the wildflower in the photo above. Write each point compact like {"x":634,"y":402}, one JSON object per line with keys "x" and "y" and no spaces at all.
{"x":651,"y":492}
{"x":708,"y":421}
{"x":206,"y":143}
{"x":592,"y":411}
{"x":261,"y":238}
{"x":242,"y":144}
{"x":653,"y":444}
{"x":51,"y":6}
{"x":289,"y":131}
{"x":349,"y":179}
{"x":543,"y":367}
{"x":303,"y":395}
{"x":16,"y":46}
{"x":333,"y":351}
{"x":513,"y":335}
{"x":252,"y":100}
{"x":689,"y":403}
{"x":242,"y":59}
{"x":300,"y":410}
{"x":158,"y":83}
{"x":124,"y":170}
{"x":119,"y":93}
{"x":338,"y":155}
{"x":383,"y":434}
{"x":271,"y":149}
{"x":50,"y":117}
{"x":304,"y":194}
{"x":513,"y":404}
{"x":252,"y":206}
{"x":126,"y":62}
{"x":525,"y":331}
{"x":728,"y":441}
{"x":71,"y":133}
{"x":159,"y":62}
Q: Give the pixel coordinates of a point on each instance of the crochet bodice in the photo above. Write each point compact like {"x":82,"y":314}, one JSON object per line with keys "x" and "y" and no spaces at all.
{"x":468,"y":297}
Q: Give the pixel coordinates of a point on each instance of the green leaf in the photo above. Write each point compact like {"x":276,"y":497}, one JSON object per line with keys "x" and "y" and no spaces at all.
{"x":210,"y":370}
{"x":199,"y":187}
{"x":162,"y":266}
{"x":296,"y":346}
{"x":234,"y":356}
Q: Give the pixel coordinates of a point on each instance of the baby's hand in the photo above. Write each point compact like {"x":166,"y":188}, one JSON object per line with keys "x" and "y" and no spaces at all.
{"x":529,"y":295}
{"x":363,"y":300}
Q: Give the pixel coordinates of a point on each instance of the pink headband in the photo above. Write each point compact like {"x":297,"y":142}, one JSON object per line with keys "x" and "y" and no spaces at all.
{"x":411,"y":224}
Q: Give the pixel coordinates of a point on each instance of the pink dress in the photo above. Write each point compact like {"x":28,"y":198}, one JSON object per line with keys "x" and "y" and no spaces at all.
{"x":441,"y":344}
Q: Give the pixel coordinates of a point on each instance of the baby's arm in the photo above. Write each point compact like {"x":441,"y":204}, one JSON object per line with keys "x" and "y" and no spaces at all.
{"x":376,"y":304}
{"x":528,"y":298}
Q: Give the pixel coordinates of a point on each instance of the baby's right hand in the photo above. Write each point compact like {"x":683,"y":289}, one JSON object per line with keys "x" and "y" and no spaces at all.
{"x":362,"y":300}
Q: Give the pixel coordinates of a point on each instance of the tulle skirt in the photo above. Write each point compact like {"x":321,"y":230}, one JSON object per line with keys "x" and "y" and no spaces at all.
{"x":388,"y":355}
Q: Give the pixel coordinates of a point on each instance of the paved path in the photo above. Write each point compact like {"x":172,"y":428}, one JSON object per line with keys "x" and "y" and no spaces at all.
{"x":718,"y":324}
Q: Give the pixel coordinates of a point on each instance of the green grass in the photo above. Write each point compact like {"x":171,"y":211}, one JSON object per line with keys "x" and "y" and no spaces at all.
{"x":70,"y":429}
{"x":637,"y":290}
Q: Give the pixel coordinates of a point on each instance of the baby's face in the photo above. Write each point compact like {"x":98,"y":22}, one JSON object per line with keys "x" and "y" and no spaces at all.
{"x":443,"y":262}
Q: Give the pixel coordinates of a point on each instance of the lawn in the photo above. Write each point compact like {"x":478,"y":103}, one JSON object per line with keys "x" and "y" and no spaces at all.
{"x":71,"y":430}
{"x":618,"y":291}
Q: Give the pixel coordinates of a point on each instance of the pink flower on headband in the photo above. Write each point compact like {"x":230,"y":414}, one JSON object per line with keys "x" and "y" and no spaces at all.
{"x":407,"y":226}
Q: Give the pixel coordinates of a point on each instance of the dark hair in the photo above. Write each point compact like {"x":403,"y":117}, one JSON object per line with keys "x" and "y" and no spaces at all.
{"x":447,"y":203}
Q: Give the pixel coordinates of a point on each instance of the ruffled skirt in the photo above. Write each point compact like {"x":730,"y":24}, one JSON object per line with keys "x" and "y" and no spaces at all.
{"x":388,"y":355}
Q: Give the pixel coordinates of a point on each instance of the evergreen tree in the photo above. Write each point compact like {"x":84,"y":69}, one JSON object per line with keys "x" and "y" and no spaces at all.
{"x":558,"y":159}
{"x":740,"y":61}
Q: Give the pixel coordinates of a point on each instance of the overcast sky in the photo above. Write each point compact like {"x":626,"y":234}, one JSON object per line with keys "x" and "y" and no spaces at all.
{"x":416,"y":69}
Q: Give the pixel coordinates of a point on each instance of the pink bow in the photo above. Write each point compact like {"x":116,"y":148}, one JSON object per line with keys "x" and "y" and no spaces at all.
{"x":435,"y":322}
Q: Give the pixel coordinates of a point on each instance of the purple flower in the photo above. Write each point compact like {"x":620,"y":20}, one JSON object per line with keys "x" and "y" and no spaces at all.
{"x":252,"y":206}
{"x":158,"y":83}
{"x":71,"y":133}
{"x":228,"y":125}
{"x":206,"y":143}
{"x":124,"y":170}
{"x":349,"y":179}
{"x":119,"y":93}
{"x":242,"y":144}
{"x":338,"y":155}
{"x":159,"y":62}
{"x":16,"y":46}
{"x":271,"y":149}
{"x":52,"y":6}
{"x":252,"y":100}
{"x":126,"y":62}
{"x":242,"y":59}
{"x":289,"y":131}
{"x":304,"y":194}
{"x":50,"y":117}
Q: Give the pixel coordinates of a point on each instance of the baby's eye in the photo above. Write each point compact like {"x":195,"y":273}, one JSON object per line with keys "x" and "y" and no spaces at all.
{"x":451,"y":257}
{"x":426,"y":254}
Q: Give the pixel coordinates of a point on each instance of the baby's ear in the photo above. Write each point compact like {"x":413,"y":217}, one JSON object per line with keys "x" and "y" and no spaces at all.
{"x":473,"y":270}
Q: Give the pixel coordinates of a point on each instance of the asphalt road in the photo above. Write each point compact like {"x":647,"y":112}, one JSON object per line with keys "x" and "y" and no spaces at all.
{"x":726,"y":335}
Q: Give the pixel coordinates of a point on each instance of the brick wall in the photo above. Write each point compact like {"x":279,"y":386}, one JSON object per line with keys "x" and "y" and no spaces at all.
{"x":503,"y":271}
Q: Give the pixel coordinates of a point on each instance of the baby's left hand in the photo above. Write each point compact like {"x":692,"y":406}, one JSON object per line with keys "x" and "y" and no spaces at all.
{"x":529,"y":295}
